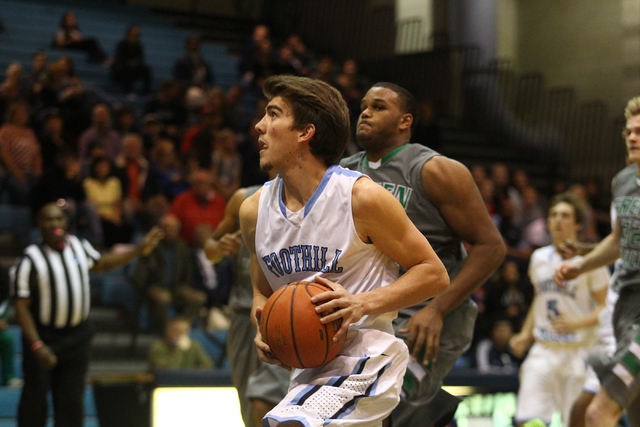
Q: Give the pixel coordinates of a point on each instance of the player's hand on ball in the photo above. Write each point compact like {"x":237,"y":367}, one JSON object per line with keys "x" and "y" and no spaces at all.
{"x":338,"y":304}
{"x":264,"y":352}
{"x":424,"y":330}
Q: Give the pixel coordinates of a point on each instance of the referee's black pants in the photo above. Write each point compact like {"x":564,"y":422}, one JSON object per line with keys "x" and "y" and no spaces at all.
{"x":66,"y":381}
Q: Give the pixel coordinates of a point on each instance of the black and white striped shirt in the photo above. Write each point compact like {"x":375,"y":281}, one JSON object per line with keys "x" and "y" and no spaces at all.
{"x":56,"y":281}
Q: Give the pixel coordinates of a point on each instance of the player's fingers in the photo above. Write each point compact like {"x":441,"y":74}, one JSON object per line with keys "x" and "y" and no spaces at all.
{"x":344,"y":328}
{"x":417,"y":346}
{"x":431,"y":348}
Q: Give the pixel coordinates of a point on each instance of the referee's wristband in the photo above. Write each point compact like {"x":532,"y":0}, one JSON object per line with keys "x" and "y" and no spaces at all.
{"x":36,"y":345}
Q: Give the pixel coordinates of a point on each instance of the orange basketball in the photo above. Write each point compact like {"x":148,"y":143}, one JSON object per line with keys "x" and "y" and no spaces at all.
{"x":291,"y":327}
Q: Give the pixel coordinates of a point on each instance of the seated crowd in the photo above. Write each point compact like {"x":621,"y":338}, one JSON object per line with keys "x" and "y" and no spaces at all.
{"x":118,"y":171}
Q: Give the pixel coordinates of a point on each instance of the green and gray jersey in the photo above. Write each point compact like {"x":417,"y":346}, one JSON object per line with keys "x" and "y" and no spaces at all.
{"x":400,"y":172}
{"x":626,"y":202}
{"x":241,"y":294}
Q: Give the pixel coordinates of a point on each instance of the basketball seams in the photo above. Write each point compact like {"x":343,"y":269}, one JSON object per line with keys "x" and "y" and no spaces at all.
{"x":326,"y":332}
{"x":295,"y":344}
{"x":265,"y":338}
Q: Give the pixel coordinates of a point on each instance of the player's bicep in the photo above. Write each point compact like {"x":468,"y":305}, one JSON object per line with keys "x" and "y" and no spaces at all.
{"x":380,"y":218}
{"x":450,"y":187}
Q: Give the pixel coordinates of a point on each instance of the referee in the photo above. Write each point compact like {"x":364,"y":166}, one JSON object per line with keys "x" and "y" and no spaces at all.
{"x":50,"y":285}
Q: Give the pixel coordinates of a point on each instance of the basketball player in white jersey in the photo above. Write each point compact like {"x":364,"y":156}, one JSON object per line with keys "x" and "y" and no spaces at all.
{"x":319,"y":222}
{"x":561,"y":322}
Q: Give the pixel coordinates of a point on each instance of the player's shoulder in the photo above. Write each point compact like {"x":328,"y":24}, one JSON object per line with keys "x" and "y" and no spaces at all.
{"x":542,"y":254}
{"x":367,"y":194}
{"x":624,"y":175}
{"x":353,"y":161}
{"x":249,"y":206}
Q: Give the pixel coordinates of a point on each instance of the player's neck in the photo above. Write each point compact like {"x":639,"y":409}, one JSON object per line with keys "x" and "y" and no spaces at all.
{"x":301,"y":182}
{"x":376,"y":155}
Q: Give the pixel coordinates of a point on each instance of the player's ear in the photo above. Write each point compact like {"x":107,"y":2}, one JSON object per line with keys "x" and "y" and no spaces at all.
{"x":307,"y":132}
{"x":406,"y":120}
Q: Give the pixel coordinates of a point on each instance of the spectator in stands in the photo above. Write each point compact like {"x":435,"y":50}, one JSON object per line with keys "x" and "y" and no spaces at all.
{"x":168,"y":105}
{"x":493,"y":355}
{"x":192,"y":69}
{"x":509,"y":297}
{"x":166,"y":176}
{"x":245,"y":67}
{"x":69,"y":36}
{"x":125,"y":119}
{"x":352,"y":86}
{"x":226,"y":163}
{"x":589,"y":232}
{"x":11,"y":88}
{"x":164,"y":278}
{"x":105,"y":191}
{"x":177,"y":350}
{"x":200,"y":204}
{"x":56,"y":333}
{"x":284,"y":62}
{"x":300,"y":57}
{"x":14,"y":76}
{"x":101,"y":131}
{"x":198,"y":142}
{"x":7,"y":346}
{"x":426,"y":130}
{"x":249,"y":149}
{"x":233,"y":110}
{"x":20,"y":153}
{"x":135,"y":168}
{"x":128,"y":65}
{"x":479,"y":174}
{"x":52,"y":139}
{"x":38,"y":72}
{"x":261,"y":65}
{"x":152,"y":131}
{"x":325,"y":71}
{"x":62,"y":184}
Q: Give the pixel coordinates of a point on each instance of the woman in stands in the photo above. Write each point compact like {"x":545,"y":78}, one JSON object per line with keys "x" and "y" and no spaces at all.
{"x":69,"y":37}
{"x":20,"y":153}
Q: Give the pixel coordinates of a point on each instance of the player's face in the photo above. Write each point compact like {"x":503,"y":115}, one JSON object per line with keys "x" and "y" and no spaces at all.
{"x":379,"y":120}
{"x":632,"y":138}
{"x":277,"y":140}
{"x":562,"y":222}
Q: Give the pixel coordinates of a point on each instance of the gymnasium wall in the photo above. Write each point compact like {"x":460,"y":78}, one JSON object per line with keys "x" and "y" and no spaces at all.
{"x":592,"y":45}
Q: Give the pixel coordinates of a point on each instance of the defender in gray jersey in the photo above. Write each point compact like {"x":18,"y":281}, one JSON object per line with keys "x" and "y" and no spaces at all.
{"x":442,"y":200}
{"x":620,"y":374}
{"x":260,"y":385}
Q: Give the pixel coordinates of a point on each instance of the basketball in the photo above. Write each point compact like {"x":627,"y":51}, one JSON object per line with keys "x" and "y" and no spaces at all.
{"x":291,"y":327}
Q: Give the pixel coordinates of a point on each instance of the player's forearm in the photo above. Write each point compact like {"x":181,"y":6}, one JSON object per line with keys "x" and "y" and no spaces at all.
{"x":482,"y":262}
{"x":419,"y":283}
{"x":589,"y":320}
{"x":605,"y":253}
{"x":527,"y":326}
{"x":259,"y":300}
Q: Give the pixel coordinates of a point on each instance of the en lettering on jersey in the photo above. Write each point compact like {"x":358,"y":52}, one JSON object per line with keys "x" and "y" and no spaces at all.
{"x":321,"y":240}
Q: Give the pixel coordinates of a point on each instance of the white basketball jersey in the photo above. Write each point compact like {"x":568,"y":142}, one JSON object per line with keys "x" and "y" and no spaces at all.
{"x":573,"y":301}
{"x":321,"y":240}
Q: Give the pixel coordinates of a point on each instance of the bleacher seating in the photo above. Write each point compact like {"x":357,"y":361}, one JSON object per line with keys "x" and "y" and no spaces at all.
{"x":107,"y":23}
